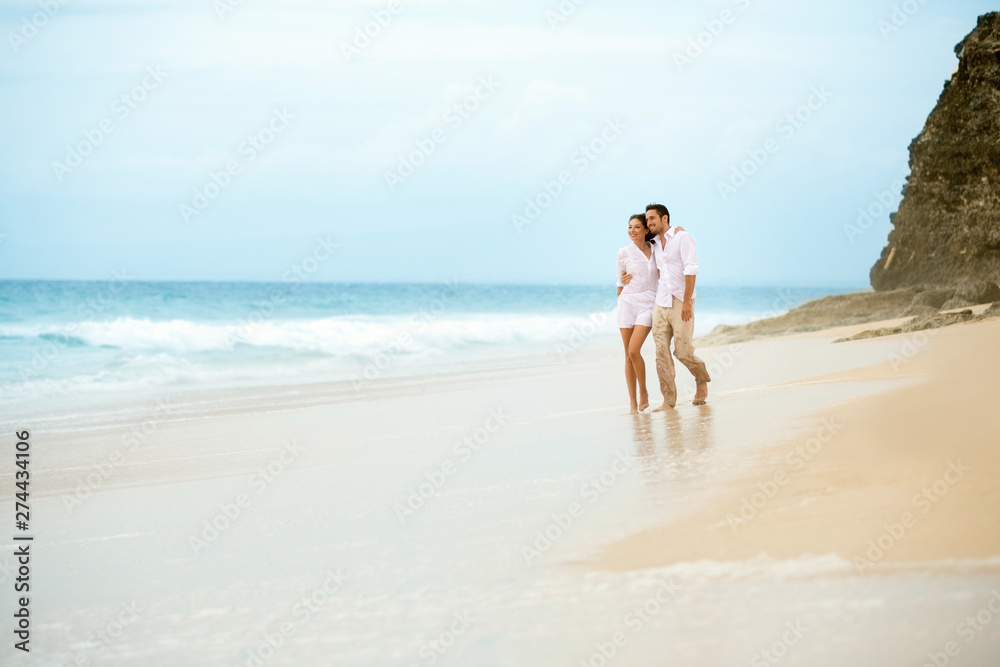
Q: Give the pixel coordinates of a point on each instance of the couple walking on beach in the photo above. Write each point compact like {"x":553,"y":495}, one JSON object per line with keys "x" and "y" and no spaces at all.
{"x":656,"y":275}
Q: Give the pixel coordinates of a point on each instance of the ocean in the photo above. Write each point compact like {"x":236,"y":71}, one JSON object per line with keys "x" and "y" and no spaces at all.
{"x":86,"y":337}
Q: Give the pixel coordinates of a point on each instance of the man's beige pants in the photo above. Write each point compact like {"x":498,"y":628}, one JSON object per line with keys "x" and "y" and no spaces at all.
{"x":667,"y":326}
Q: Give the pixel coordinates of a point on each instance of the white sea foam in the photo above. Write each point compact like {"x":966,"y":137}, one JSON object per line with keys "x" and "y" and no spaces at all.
{"x":339,"y":335}
{"x":136,"y":354}
{"x":144,"y":354}
{"x":336,"y":336}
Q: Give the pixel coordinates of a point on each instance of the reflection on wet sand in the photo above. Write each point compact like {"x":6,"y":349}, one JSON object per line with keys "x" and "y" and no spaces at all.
{"x":668,"y":443}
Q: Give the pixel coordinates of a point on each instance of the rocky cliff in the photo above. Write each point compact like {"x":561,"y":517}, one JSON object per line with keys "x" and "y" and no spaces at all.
{"x":947,"y":230}
{"x":944,"y":248}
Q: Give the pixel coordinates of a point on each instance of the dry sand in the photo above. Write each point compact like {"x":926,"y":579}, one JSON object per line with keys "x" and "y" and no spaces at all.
{"x":909,"y":475}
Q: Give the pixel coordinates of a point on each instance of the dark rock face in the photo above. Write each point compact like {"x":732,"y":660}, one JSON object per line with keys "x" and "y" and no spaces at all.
{"x":992,"y":311}
{"x":862,"y":307}
{"x":935,"y":321}
{"x":829,"y":311}
{"x":947,"y":230}
{"x":981,"y":291}
{"x":935,"y":298}
{"x":956,"y":302}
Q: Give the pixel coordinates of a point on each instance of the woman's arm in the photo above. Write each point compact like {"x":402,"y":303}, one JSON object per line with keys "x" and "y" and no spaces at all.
{"x":623,"y":277}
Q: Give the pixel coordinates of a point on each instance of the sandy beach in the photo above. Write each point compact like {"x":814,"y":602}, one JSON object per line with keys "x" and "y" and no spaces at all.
{"x":520,"y":516}
{"x":906,"y":476}
{"x":312,"y":320}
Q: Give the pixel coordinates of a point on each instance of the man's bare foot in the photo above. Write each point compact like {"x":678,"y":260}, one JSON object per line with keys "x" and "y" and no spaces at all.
{"x":664,"y":408}
{"x":701,"y":394}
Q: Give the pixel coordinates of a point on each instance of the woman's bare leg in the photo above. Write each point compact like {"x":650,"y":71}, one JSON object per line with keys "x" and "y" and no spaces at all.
{"x":629,"y":371}
{"x":638,"y":364}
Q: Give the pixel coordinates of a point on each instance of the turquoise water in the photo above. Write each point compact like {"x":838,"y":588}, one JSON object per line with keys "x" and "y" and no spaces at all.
{"x":81,"y":336}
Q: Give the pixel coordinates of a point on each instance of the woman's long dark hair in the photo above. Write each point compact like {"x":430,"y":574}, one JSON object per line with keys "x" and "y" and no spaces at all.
{"x":641,"y":217}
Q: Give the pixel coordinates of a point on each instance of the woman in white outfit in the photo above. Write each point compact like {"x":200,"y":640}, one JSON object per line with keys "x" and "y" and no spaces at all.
{"x":637,"y":278}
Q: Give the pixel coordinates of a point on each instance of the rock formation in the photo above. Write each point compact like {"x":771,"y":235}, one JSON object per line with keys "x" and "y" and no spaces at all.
{"x":944,"y":248}
{"x":946,"y":233}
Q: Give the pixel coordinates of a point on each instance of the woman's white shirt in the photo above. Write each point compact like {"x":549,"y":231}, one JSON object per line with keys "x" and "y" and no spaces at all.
{"x":645,"y":275}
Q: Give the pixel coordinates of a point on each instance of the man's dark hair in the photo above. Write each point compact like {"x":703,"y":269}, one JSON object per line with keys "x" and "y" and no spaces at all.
{"x":659,"y":208}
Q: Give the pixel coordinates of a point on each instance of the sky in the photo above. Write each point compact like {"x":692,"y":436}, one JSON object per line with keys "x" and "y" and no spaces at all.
{"x":480,"y":142}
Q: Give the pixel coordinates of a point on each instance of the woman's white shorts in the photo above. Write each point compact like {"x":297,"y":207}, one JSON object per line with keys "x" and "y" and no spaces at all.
{"x":636,"y":309}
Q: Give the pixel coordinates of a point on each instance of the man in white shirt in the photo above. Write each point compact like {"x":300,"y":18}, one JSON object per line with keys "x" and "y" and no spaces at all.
{"x":673,"y":312}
